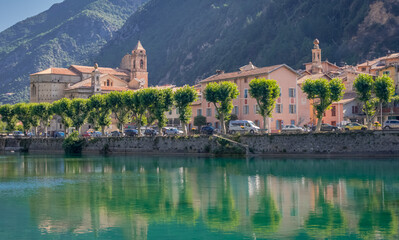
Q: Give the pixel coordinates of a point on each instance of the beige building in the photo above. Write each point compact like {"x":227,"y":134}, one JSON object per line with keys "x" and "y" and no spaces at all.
{"x":82,"y":82}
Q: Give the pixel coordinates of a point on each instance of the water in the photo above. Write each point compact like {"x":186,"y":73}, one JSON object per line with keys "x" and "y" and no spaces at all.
{"x":56,"y":197}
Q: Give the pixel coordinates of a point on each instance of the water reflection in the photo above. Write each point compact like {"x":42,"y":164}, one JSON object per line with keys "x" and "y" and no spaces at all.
{"x":149,"y":197}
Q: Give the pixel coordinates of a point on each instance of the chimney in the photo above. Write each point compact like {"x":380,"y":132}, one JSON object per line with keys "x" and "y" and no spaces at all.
{"x":218,"y":72}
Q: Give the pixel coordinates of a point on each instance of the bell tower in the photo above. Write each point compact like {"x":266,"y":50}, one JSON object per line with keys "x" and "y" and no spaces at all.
{"x":95,"y":80}
{"x":138,"y":67}
{"x":316,"y":58}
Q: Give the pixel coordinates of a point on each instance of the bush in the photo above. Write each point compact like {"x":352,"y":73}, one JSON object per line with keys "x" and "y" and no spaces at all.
{"x":73,"y":144}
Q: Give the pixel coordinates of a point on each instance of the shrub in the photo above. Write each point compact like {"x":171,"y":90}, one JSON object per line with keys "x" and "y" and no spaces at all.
{"x":73,"y":144}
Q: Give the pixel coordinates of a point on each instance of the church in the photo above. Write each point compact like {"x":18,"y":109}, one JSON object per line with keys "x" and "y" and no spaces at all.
{"x":76,"y":81}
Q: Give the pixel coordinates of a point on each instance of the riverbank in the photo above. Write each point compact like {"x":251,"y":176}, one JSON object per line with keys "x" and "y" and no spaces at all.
{"x":347,"y":143}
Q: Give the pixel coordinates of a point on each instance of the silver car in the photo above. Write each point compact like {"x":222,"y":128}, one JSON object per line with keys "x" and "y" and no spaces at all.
{"x":173,"y":131}
{"x":292,"y":129}
{"x":391,"y":124}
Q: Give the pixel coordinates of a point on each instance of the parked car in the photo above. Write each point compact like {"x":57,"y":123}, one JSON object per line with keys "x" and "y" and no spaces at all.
{"x":18,"y":134}
{"x":292,"y":129}
{"x":327,"y":128}
{"x":207,"y":130}
{"x":96,"y":134}
{"x":116,"y":134}
{"x":59,"y":135}
{"x":173,"y":131}
{"x":243,"y":126}
{"x":150,"y":132}
{"x":30,"y":134}
{"x":391,"y":124}
{"x":353,"y":126}
{"x":131,"y":132}
{"x":86,"y":134}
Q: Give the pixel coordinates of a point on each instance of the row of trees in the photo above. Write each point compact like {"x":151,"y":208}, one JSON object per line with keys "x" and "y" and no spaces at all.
{"x":145,"y":106}
{"x":149,"y":106}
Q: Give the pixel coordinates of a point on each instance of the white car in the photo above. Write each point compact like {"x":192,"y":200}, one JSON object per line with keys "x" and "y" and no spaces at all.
{"x":292,"y":129}
{"x":173,"y":131}
{"x":391,"y":124}
{"x":243,"y":126}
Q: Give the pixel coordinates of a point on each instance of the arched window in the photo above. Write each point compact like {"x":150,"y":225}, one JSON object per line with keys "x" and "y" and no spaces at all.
{"x":108,"y":82}
{"x":134,"y":64}
{"x":33,"y":91}
{"x":141,"y":64}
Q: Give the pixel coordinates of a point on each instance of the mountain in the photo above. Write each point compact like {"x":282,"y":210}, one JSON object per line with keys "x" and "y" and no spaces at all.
{"x":70,"y":32}
{"x":187,"y":40}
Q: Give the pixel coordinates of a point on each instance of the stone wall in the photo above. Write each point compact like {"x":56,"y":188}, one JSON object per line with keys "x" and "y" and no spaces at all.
{"x":324,"y":143}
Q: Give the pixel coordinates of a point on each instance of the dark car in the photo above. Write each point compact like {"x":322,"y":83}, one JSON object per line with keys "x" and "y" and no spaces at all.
{"x":131,"y":132}
{"x":59,"y":135}
{"x":327,"y":128}
{"x":116,"y":134}
{"x":150,"y":132}
{"x":207,"y":130}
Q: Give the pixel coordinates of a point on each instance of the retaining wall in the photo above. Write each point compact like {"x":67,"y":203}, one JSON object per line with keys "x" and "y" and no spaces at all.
{"x":378,"y":142}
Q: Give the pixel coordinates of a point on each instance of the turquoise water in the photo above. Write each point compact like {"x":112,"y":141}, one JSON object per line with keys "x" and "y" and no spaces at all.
{"x":136,"y":197}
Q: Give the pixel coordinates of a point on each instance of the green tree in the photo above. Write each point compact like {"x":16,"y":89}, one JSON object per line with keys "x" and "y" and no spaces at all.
{"x":139,"y":102}
{"x":364,"y":86}
{"x":35,"y":117}
{"x":222,"y":95}
{"x":23,"y":113}
{"x":163,"y":103}
{"x":62,"y":108}
{"x":79,"y":113}
{"x":45,"y":113}
{"x":266,"y":92}
{"x":384,"y":88}
{"x":99,"y":112}
{"x":323,"y":93}
{"x":183,"y":98}
{"x":199,"y":121}
{"x":8,"y":116}
{"x":117,"y":102}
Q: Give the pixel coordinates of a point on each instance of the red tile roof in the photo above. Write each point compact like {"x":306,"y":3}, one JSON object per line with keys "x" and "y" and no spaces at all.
{"x":112,"y":71}
{"x":252,"y":72}
{"x":57,"y":71}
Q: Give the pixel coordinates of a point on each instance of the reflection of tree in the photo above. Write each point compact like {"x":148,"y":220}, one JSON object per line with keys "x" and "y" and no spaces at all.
{"x":326,"y":220}
{"x":223,"y":216}
{"x":267,"y":218}
{"x":377,"y":219}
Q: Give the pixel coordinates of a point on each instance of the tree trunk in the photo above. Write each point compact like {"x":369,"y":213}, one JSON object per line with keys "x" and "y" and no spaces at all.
{"x":222,"y":124}
{"x":184,"y":128}
{"x":319,"y":122}
{"x":266,"y":128}
{"x":381,"y":114}
{"x":45,"y":129}
{"x":103,"y":130}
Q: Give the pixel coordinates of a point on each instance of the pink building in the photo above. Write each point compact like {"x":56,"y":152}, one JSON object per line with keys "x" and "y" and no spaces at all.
{"x":287,"y":110}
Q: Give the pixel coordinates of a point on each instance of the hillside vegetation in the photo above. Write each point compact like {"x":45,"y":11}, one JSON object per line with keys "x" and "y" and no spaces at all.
{"x":187,"y":40}
{"x":70,"y":32}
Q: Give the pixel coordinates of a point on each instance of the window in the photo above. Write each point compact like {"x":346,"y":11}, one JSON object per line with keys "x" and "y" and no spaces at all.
{"x":333,"y":111}
{"x":292,"y":109}
{"x":170,"y":112}
{"x":235,"y":111}
{"x":199,"y":112}
{"x":245,"y":93}
{"x":355,"y":109}
{"x":334,"y":123}
{"x":278,"y":124}
{"x":257,"y":122}
{"x":386,"y":72}
{"x":291,"y":92}
{"x":245,"y":80}
{"x":280,"y":92}
{"x":246,"y":109}
{"x":209,"y":112}
{"x":363,"y":69}
{"x":292,"y":122}
{"x":256,"y":109}
{"x":279,"y":108}
{"x":141,"y":64}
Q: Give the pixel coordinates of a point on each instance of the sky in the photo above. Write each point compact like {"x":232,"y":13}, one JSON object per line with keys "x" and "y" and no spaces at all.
{"x":13,"y":11}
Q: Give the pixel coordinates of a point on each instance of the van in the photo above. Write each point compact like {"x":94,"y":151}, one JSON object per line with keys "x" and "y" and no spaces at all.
{"x":243,"y":126}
